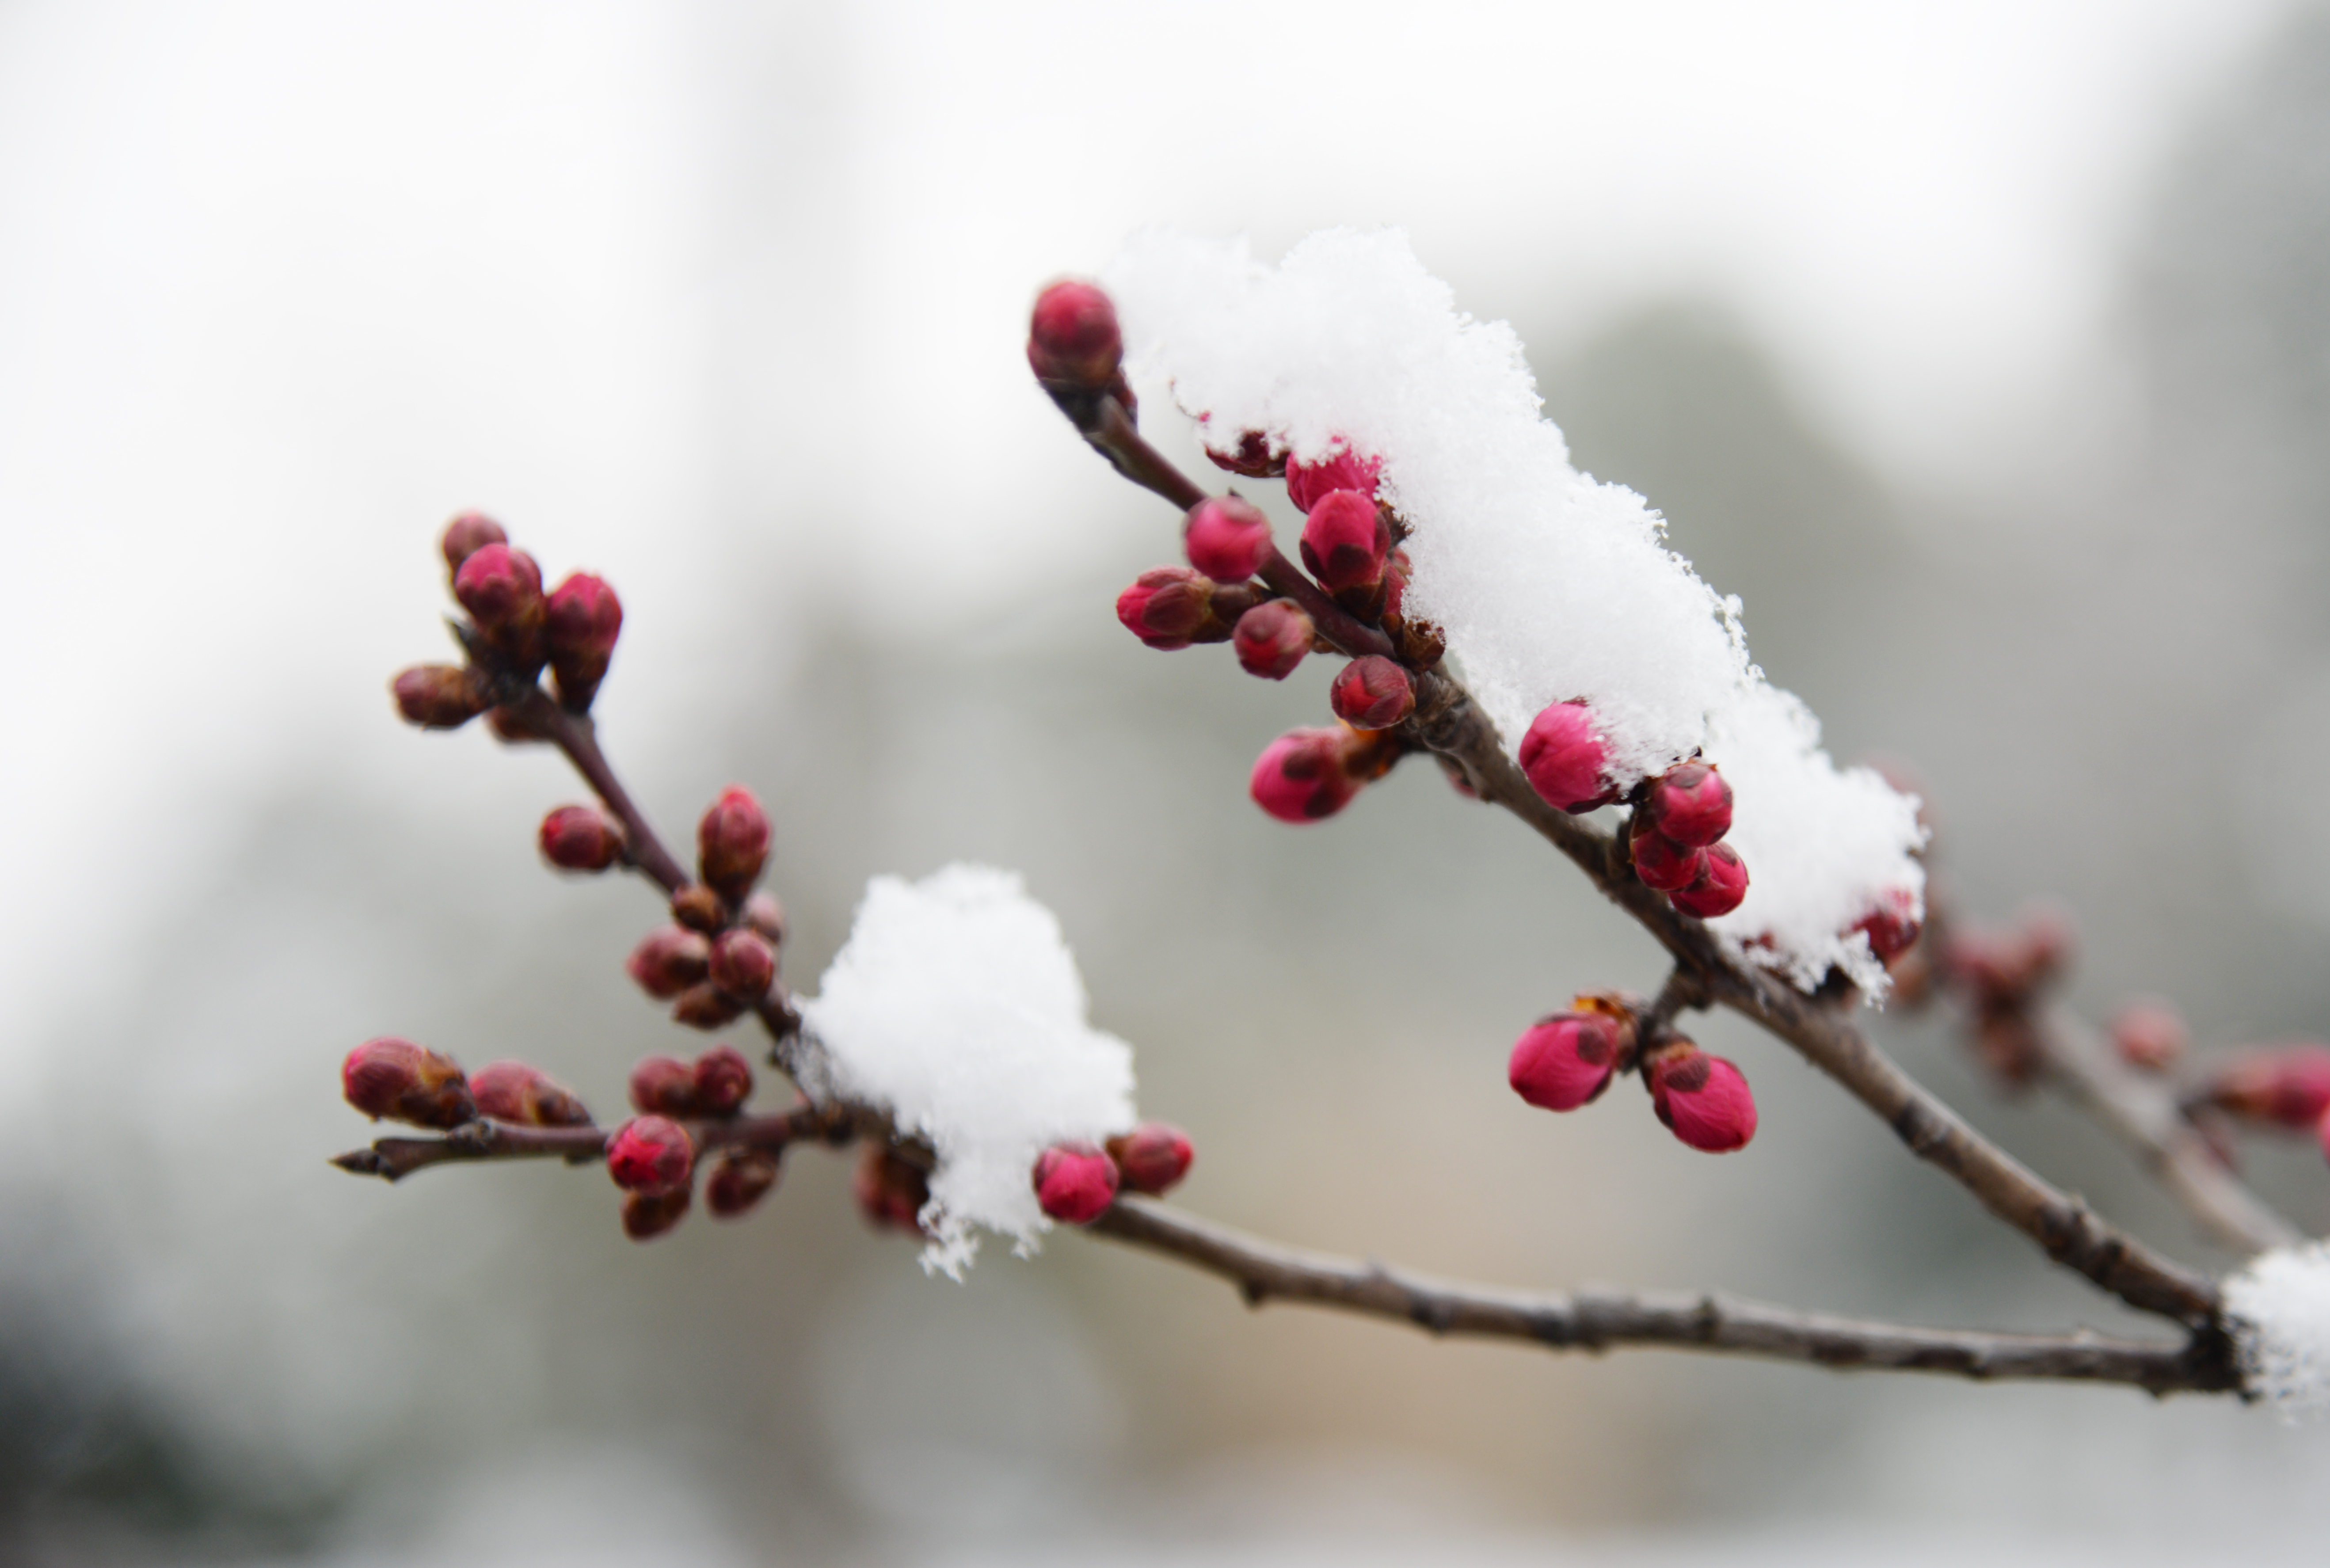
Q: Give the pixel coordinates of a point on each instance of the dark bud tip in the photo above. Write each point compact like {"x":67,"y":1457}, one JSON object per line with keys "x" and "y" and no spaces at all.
{"x":664,"y":1086}
{"x":722,"y":1081}
{"x":668,"y":961}
{"x":705,"y":1006}
{"x":525,"y":1096}
{"x":699,"y":909}
{"x":439,"y":696}
{"x":647,"y":1215}
{"x":465,"y":535}
{"x":741,"y":1179}
{"x":1345,"y":540}
{"x":395,"y":1079}
{"x":890,"y":1191}
{"x":1152,"y":1158}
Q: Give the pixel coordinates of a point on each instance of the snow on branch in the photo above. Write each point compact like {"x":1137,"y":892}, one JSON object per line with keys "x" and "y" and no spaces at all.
{"x":2279,"y":1311}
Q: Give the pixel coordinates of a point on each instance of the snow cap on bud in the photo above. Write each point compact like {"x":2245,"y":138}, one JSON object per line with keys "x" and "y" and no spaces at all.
{"x":2150,"y":1034}
{"x":1300,"y":777}
{"x":579,"y":627}
{"x":668,"y":961}
{"x":743,"y":964}
{"x":1721,"y":883}
{"x":651,"y":1154}
{"x":581,"y":838}
{"x":1345,"y":540}
{"x":501,"y":589}
{"x":1271,"y":639}
{"x":1343,"y":470}
{"x":890,"y":1191}
{"x":1152,"y":1158}
{"x":1251,"y":454}
{"x":2285,"y":1085}
{"x":742,"y":1179}
{"x":1891,"y":927}
{"x":1690,"y":803}
{"x":721,"y":1081}
{"x":664,"y":1086}
{"x":397,"y":1079}
{"x":705,"y":1006}
{"x":733,"y":841}
{"x":1373,"y":693}
{"x":1702,"y":1098}
{"x":465,"y":535}
{"x":765,"y":915}
{"x":1564,"y":756}
{"x":1661,"y":863}
{"x":439,"y":696}
{"x":1075,"y":1182}
{"x":1566,"y":1060}
{"x":1226,"y":538}
{"x":1072,"y":335}
{"x":518,"y":1093}
{"x":647,"y":1215}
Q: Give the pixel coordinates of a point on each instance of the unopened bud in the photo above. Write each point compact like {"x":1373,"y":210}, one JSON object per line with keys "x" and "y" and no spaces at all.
{"x":511,"y":730}
{"x":1167,"y":607}
{"x":1564,"y":758}
{"x":525,"y":1095}
{"x":1152,"y":1158}
{"x":580,"y":626}
{"x":1073,"y":336}
{"x":1250,"y":454}
{"x":401,"y":1082}
{"x":1300,"y":777}
{"x":699,"y":909}
{"x":1566,"y":1060}
{"x":668,"y":961}
{"x":1720,"y":885}
{"x":439,"y":696}
{"x":744,"y":965}
{"x":1075,"y":1182}
{"x":740,"y":1180}
{"x":723,"y":1081}
{"x":1702,"y":1098}
{"x":705,"y":1006}
{"x":1892,"y":927}
{"x":501,"y":589}
{"x":1690,"y":803}
{"x":1345,"y":540}
{"x":1226,"y":538}
{"x":651,"y":1154}
{"x":2149,"y":1035}
{"x":765,"y":915}
{"x":465,"y":535}
{"x":2284,"y":1085}
{"x":1660,"y":862}
{"x":1272,"y":638}
{"x":890,"y":1191}
{"x":1343,"y":470}
{"x":733,"y":841}
{"x":581,"y":838}
{"x":1372,"y":693}
{"x":664,"y":1086}
{"x":647,"y":1215}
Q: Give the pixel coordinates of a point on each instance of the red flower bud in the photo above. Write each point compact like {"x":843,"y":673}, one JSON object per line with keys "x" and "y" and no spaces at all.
{"x":2149,"y":1035}
{"x":1702,"y":1098}
{"x":651,"y":1154}
{"x":1662,"y":864}
{"x":1167,"y":607}
{"x":1226,"y":538}
{"x":1564,"y":756}
{"x":439,"y":696}
{"x":1373,"y":693}
{"x":1075,"y":1182}
{"x":742,"y":1179}
{"x":668,"y":961}
{"x":501,"y":589}
{"x":581,"y":838}
{"x":1252,"y":454}
{"x":1345,"y":540}
{"x":1721,"y":883}
{"x":397,"y":1079}
{"x":721,"y":1081}
{"x":1300,"y":777}
{"x":699,"y":909}
{"x":1072,"y":335}
{"x":1308,"y":483}
{"x":647,"y":1215}
{"x":664,"y":1086}
{"x":765,"y":915}
{"x":744,"y":965}
{"x":2285,"y":1085}
{"x":465,"y":535}
{"x":1690,"y":803}
{"x":1566,"y":1060}
{"x":1890,"y":928}
{"x":1152,"y":1158}
{"x":579,"y":627}
{"x":705,"y":1006}
{"x":515,"y":1093}
{"x":890,"y":1193}
{"x":733,"y":841}
{"x":1271,"y":639}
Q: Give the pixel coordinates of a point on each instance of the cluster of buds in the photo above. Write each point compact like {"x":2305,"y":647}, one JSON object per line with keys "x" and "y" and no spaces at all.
{"x":1075,"y":1182}
{"x":718,"y":959}
{"x":1567,"y":1059}
{"x":1675,"y":839}
{"x":514,"y":629}
{"x":2284,"y":1086}
{"x":653,"y":1156}
{"x":2004,"y":974}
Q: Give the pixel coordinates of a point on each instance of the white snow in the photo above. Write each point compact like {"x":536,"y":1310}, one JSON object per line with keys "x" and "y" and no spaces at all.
{"x":2280,"y":1309}
{"x":956,"y":1003}
{"x":1550,"y":585}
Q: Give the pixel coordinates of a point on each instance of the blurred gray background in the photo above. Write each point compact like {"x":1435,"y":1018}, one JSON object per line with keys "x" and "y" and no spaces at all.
{"x":1983,"y":350}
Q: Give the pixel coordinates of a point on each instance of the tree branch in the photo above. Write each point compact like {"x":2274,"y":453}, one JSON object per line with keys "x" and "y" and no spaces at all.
{"x":395,"y":1158}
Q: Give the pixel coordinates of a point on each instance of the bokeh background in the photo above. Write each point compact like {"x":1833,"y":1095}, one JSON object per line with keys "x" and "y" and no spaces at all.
{"x":1981,"y":348}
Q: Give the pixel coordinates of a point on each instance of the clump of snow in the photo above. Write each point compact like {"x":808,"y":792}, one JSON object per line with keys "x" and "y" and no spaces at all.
{"x":1550,"y":585}
{"x":957,"y":1005}
{"x":2279,"y":1309}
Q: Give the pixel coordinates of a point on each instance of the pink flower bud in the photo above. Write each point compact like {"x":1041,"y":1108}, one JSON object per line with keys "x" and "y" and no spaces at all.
{"x":705,"y":1006}
{"x":501,"y":589}
{"x":1271,"y":639}
{"x":1251,"y":454}
{"x":2149,"y":1035}
{"x":1721,"y":883}
{"x":1373,"y":693}
{"x":439,"y":696}
{"x":1892,"y":928}
{"x":465,"y":535}
{"x":1075,"y":1182}
{"x":668,"y":961}
{"x":1072,"y":335}
{"x":647,"y":1215}
{"x":579,"y":627}
{"x":1308,"y":483}
{"x":525,"y":1095}
{"x":1660,"y":862}
{"x":744,"y":965}
{"x":1300,"y":777}
{"x":2284,"y":1085}
{"x":722,"y":1081}
{"x":1564,"y":756}
{"x":890,"y":1191}
{"x":1702,"y":1098}
{"x":1226,"y":538}
{"x":1690,"y":803}
{"x":1167,"y":607}
{"x":1345,"y":540}
{"x":651,"y":1154}
{"x":1565,"y":1061}
{"x":740,"y":1180}
{"x":1152,"y":1158}
{"x":733,"y":841}
{"x":765,"y":915}
{"x":581,"y":838}
{"x":397,"y":1079}
{"x":664,"y":1086}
